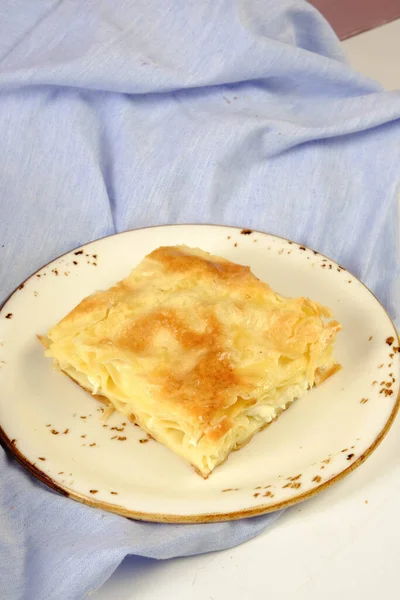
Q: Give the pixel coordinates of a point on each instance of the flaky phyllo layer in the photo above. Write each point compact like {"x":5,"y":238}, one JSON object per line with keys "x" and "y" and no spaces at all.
{"x":196,"y":350}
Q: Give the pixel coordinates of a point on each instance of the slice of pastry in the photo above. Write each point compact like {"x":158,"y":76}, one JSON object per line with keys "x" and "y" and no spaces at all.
{"x":196,"y":350}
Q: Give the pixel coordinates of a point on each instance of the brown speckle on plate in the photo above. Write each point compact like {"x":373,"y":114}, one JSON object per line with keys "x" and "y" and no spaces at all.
{"x":61,"y":473}
{"x":268,"y":495}
{"x":386,"y":392}
{"x":41,"y":458}
{"x":122,"y":438}
{"x":55,"y":271}
{"x":54,"y":432}
{"x":93,"y":491}
{"x":350,"y":456}
{"x":326,"y":461}
{"x":21,"y":287}
{"x":344,"y":450}
{"x":363,"y":400}
{"x":292,"y":484}
{"x":349,"y":281}
{"x":294,"y":478}
{"x":256,"y":495}
{"x":317,"y":478}
{"x":370,"y":338}
{"x":9,"y":316}
{"x":75,"y":262}
{"x":390,"y":340}
{"x":380,"y":366}
{"x":246,"y":231}
{"x":235,"y":244}
{"x":114,"y":493}
{"x":83,"y":417}
{"x":78,"y":252}
{"x":301,"y":248}
{"x":143,"y":441}
{"x":93,"y":444}
{"x":66,"y":431}
{"x":116,"y":428}
{"x":83,"y":436}
{"x":13,"y":442}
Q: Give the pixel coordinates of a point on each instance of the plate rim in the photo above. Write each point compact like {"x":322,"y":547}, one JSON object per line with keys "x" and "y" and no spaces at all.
{"x":261,"y":509}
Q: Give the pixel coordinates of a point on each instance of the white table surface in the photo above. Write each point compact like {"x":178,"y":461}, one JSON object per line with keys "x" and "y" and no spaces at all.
{"x":345,"y":543}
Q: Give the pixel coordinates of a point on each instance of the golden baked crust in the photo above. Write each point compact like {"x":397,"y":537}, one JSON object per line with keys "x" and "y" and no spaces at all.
{"x":199,"y":350}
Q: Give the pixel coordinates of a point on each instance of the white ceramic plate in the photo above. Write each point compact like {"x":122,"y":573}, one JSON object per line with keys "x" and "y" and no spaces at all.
{"x":55,"y":429}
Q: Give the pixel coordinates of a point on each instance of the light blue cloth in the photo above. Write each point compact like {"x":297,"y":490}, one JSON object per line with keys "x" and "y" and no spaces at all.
{"x":117,"y":115}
